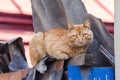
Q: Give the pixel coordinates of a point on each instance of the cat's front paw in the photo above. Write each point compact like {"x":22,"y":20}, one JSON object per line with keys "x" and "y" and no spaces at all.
{"x":63,"y":56}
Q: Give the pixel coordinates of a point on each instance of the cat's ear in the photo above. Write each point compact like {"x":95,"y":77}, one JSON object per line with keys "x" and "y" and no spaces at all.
{"x":70,"y":27}
{"x":87,"y":24}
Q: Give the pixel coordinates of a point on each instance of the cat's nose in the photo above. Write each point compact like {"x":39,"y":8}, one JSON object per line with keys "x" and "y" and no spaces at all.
{"x":80,"y":41}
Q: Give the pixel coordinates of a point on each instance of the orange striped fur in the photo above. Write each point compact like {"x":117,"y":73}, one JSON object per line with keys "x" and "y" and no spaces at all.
{"x":61,"y":43}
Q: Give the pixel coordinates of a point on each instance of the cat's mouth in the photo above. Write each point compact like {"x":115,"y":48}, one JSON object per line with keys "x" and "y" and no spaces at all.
{"x":78,"y":43}
{"x":83,"y":43}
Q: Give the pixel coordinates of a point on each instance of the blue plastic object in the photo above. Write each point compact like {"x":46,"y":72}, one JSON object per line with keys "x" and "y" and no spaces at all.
{"x":102,"y":73}
{"x":96,"y":73}
{"x":74,"y":73}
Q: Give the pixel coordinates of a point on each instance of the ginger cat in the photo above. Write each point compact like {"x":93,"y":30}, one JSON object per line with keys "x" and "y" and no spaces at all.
{"x":61,"y":43}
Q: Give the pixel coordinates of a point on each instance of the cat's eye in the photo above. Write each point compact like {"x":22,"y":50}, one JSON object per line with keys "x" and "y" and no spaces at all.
{"x":74,"y":36}
{"x":85,"y":35}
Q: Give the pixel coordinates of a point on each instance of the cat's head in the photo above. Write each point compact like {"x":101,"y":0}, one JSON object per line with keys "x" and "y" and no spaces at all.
{"x":79,"y":35}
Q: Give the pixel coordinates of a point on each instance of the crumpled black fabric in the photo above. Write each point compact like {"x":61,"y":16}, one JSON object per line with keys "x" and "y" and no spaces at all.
{"x":12,"y":56}
{"x":103,"y":44}
{"x":4,"y":58}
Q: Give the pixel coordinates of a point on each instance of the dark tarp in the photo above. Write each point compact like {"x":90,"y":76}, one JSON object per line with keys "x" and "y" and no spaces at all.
{"x":12,"y":56}
{"x":48,"y":14}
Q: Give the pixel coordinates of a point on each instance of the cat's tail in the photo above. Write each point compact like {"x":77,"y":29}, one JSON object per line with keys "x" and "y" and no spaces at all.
{"x":36,"y":48}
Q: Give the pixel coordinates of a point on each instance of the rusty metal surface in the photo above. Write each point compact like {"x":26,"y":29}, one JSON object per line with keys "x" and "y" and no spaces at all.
{"x":19,"y":75}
